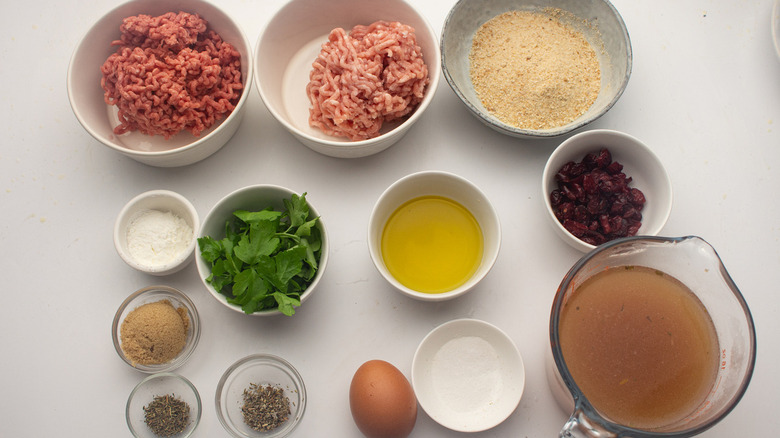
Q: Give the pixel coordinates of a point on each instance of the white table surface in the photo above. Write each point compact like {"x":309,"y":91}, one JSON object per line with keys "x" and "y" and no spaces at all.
{"x":704,"y":94}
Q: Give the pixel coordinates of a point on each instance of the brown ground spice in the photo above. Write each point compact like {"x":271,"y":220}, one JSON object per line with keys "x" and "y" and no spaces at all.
{"x":154,"y":333}
{"x":532,"y":71}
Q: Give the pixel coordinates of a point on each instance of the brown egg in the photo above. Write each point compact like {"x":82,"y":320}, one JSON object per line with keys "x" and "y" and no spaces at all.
{"x":382,"y":401}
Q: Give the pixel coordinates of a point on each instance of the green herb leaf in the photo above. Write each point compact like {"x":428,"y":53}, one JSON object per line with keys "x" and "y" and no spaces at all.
{"x":286,"y":303}
{"x":210,"y":249}
{"x":267,"y":258}
{"x":260,"y":241}
{"x":297,"y":210}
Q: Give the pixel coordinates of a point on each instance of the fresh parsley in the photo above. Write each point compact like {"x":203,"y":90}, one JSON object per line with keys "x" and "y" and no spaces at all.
{"x":267,"y":258}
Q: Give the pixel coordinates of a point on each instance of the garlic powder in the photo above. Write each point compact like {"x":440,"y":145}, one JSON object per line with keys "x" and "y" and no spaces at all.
{"x":157,"y":238}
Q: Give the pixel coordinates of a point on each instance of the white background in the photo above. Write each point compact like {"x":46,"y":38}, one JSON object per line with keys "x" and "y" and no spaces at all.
{"x":704,"y":94}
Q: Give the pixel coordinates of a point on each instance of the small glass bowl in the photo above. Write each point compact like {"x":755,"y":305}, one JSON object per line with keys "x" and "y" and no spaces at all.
{"x":161,"y":384}
{"x":262,"y":370}
{"x":153,"y":294}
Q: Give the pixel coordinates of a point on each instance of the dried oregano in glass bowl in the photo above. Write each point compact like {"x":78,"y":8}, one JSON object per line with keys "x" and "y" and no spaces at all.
{"x":163,"y":405}
{"x":260,"y":395}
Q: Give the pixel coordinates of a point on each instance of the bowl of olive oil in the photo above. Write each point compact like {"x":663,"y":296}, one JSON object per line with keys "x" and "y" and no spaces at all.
{"x":433,"y":235}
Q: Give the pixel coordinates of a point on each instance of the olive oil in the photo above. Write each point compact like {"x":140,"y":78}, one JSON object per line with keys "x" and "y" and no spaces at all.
{"x":432,"y":244}
{"x":640,"y":345}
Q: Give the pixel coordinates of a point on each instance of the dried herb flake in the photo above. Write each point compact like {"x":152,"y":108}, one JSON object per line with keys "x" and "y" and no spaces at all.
{"x":265,"y":407}
{"x":167,"y":415}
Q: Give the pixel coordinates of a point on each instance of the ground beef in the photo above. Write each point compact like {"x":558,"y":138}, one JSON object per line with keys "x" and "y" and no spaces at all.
{"x":171,"y":73}
{"x":374,"y":74}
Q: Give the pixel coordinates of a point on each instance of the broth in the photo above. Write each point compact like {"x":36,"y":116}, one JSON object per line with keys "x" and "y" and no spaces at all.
{"x":640,"y":345}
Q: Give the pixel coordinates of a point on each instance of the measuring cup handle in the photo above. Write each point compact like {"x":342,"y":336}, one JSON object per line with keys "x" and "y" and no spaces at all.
{"x":580,"y":426}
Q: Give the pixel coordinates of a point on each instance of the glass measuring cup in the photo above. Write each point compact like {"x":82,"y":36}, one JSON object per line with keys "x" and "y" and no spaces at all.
{"x":695,"y":263}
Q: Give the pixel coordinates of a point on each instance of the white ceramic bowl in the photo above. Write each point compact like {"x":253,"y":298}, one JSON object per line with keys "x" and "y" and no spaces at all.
{"x":262,"y":370}
{"x":639,"y":162}
{"x":160,"y":385}
{"x":776,"y":26}
{"x":255,"y":198}
{"x":615,"y":60}
{"x":86,"y":94}
{"x":292,"y":40}
{"x":167,"y":202}
{"x":468,"y":375}
{"x":447,"y":185}
{"x":153,"y":294}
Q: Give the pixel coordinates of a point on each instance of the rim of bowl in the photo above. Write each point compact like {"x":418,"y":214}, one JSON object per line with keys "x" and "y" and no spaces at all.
{"x":247,"y":82}
{"x":264,"y":359}
{"x":434,"y":75}
{"x":183,"y":259}
{"x":775,"y":26}
{"x":204,"y":270}
{"x":574,"y":241}
{"x":189,"y":347}
{"x":534,"y":133}
{"x":163,"y":375}
{"x":488,"y":260}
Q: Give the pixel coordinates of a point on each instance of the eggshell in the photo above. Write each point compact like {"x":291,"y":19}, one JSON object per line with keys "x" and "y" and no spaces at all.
{"x":382,"y":401}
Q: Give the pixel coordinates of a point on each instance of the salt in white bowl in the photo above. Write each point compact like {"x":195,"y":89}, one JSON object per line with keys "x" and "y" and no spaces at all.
{"x":468,"y":375}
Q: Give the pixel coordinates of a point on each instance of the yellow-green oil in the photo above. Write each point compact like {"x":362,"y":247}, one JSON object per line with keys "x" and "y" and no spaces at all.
{"x":432,"y":244}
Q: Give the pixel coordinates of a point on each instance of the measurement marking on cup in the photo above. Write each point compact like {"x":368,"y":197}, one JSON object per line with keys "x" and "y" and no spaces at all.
{"x":707,"y":403}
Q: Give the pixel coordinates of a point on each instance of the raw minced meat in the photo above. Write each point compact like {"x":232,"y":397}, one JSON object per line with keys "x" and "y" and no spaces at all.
{"x":374,"y":74}
{"x":171,"y":73}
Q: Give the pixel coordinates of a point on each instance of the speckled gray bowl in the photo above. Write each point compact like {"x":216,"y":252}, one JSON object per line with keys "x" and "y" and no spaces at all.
{"x":606,"y":31}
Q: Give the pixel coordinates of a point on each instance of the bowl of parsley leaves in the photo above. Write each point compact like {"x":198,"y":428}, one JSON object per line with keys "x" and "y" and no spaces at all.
{"x":262,"y":250}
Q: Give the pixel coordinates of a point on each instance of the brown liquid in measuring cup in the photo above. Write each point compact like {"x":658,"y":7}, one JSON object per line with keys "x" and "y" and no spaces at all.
{"x":640,"y":345}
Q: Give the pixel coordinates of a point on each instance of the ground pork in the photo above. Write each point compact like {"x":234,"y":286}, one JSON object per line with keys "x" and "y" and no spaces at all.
{"x":374,"y":74}
{"x":171,"y":73}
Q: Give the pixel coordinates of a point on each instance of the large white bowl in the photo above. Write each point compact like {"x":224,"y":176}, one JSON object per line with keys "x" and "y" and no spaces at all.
{"x":776,"y":26}
{"x":615,"y":60}
{"x":639,"y":162}
{"x":86,"y":95}
{"x":254,"y":198}
{"x":292,"y":40}
{"x":447,"y":185}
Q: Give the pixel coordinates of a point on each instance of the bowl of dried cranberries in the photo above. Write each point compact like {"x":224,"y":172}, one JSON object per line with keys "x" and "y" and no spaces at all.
{"x":601,"y":185}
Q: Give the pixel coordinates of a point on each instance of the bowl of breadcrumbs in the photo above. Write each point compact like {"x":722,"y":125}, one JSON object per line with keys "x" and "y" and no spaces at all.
{"x":536,"y":69}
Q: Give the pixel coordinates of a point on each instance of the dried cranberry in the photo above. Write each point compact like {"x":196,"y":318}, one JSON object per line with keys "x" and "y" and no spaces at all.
{"x":614,"y":168}
{"x":633,"y":228}
{"x":556,"y":197}
{"x":637,"y":197}
{"x":595,"y":205}
{"x":589,"y":183}
{"x":593,"y":200}
{"x":604,"y":158}
{"x":632,"y":213}
{"x":576,"y":228}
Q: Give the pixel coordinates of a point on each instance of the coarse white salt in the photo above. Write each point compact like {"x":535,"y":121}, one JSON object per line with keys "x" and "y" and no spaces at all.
{"x":466,"y":374}
{"x":157,"y":238}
